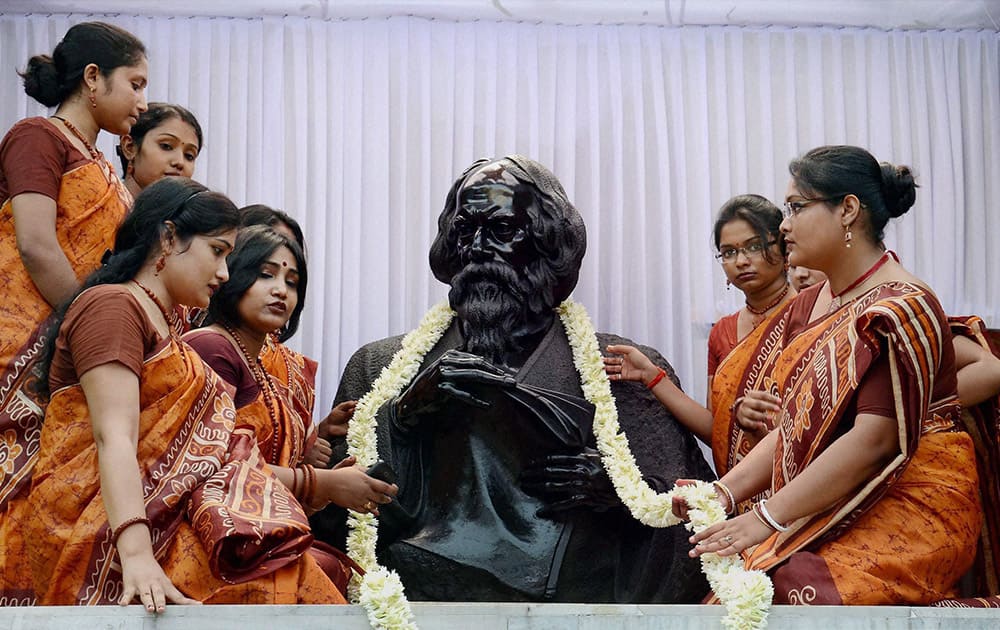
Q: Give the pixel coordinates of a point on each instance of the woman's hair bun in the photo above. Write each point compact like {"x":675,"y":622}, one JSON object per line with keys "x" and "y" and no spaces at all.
{"x":41,"y":81}
{"x":898,"y":188}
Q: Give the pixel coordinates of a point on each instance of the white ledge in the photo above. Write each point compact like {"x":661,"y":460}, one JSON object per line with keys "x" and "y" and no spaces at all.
{"x":492,"y":617}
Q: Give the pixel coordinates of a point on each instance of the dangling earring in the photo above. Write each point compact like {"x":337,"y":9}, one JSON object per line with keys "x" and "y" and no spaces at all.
{"x":129,"y":170}
{"x":729,"y":285}
{"x":847,"y":237}
{"x":93,"y":97}
{"x":161,"y":262}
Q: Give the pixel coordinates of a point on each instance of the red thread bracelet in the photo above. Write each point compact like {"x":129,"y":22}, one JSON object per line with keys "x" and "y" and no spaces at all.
{"x":656,"y":379}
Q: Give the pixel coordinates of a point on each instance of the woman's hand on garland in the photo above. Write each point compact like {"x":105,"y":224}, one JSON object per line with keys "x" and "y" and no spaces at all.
{"x":730,"y":537}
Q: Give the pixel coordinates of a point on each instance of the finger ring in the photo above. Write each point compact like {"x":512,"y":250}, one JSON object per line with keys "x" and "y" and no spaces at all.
{"x":369,"y":505}
{"x":727,"y":539}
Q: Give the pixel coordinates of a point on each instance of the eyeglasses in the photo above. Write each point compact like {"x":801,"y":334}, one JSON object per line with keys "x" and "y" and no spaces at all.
{"x":753,"y":250}
{"x":793,"y":208}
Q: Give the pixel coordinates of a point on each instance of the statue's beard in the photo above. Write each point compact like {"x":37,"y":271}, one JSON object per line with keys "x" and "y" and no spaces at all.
{"x":498,"y":309}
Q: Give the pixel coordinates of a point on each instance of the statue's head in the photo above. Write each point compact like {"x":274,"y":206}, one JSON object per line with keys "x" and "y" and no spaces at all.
{"x":510,"y":245}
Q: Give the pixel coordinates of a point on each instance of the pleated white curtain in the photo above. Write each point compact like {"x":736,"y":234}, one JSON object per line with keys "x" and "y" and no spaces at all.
{"x":358,"y":128}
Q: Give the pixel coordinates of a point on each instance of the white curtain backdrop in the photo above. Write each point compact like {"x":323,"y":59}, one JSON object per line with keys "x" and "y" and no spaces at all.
{"x":357,"y":128}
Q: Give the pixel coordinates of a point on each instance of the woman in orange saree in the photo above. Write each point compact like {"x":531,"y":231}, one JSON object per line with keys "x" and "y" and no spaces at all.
{"x":165,"y":141}
{"x":735,"y":341}
{"x":868,"y":443}
{"x":146,"y":487}
{"x":751,"y":250}
{"x":61,"y":204}
{"x":266,"y":294}
{"x":979,"y":390}
{"x":293,"y":368}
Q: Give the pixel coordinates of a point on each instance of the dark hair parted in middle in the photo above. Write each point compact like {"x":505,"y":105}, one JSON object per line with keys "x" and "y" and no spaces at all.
{"x":762,"y":215}
{"x":254,"y":245}
{"x":153,"y":117}
{"x":884,"y":190}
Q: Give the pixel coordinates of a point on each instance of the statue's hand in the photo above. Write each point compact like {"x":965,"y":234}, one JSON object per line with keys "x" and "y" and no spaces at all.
{"x":571,"y":481}
{"x":456,"y":375}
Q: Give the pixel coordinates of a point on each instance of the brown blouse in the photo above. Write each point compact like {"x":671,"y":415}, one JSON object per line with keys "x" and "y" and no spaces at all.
{"x":220,"y":355}
{"x":104,"y":324}
{"x":33,"y":157}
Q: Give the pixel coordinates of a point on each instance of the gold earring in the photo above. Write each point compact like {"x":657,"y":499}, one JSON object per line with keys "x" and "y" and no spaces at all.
{"x":847,"y":238}
{"x":93,"y":97}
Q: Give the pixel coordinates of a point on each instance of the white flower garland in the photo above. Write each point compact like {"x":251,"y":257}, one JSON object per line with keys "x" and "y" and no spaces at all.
{"x":381,"y":591}
{"x":746,"y":594}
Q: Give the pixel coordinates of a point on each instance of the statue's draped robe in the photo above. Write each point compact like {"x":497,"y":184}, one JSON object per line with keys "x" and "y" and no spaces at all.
{"x":464,"y":529}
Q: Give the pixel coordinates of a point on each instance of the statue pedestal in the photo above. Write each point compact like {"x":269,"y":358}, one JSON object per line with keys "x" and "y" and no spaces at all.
{"x":493,"y":617}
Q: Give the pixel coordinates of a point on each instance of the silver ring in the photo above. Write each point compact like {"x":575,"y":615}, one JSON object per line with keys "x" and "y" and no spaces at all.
{"x":727,"y":539}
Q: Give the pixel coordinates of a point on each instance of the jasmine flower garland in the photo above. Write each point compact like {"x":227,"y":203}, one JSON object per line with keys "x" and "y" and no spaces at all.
{"x":746,"y":594}
{"x":380,"y":591}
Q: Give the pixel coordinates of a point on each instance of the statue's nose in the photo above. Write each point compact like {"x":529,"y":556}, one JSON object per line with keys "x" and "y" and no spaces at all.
{"x":479,"y":249}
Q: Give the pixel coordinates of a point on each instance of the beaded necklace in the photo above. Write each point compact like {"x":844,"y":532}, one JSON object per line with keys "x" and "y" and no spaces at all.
{"x":777,"y":301}
{"x":94,"y":153}
{"x":170,"y":317}
{"x":263,"y":380}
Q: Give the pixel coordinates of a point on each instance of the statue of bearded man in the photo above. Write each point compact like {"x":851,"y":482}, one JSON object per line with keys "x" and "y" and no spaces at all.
{"x":502,"y":494}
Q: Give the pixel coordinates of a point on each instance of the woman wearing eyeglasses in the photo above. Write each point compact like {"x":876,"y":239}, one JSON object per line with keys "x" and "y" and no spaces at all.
{"x":874,"y":496}
{"x":752,"y":252}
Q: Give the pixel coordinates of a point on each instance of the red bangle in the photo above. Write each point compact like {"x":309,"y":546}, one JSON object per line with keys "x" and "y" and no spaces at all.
{"x":135,"y":520}
{"x":656,"y":379}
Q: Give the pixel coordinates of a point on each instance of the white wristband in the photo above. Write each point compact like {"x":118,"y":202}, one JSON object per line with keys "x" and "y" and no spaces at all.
{"x":770,"y":519}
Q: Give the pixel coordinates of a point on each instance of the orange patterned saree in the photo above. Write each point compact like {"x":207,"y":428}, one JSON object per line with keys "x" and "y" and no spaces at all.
{"x":224,"y":528}
{"x":909,"y":533}
{"x":294,"y":378}
{"x":982,"y":423}
{"x":742,"y":371}
{"x":92,"y":203}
